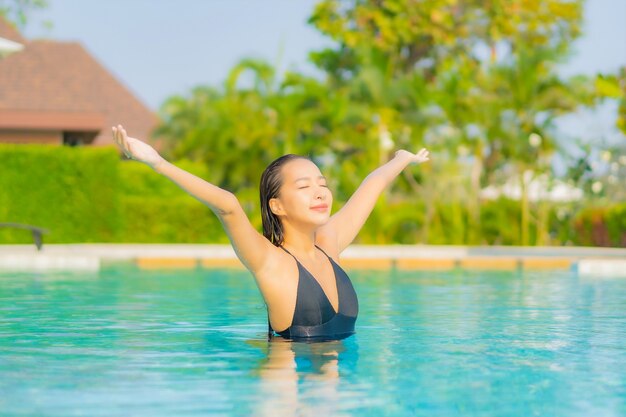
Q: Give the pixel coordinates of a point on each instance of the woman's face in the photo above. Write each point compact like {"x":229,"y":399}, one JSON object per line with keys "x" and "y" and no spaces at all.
{"x":304,"y":196}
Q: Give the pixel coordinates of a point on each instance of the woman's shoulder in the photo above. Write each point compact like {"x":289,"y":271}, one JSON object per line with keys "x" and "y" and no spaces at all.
{"x":276,"y":272}
{"x":276,"y":259}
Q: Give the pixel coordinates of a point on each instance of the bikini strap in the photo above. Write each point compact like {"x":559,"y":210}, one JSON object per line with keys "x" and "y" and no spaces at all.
{"x":297,"y":258}
{"x":323,"y":252}
{"x":289,"y":253}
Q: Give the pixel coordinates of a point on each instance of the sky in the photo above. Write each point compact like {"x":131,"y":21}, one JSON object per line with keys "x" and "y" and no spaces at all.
{"x":158,"y":48}
{"x":162,"y":47}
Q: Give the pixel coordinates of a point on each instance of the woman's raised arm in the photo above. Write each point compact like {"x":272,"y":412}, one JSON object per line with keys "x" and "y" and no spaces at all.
{"x":344,"y":225}
{"x":251,"y":247}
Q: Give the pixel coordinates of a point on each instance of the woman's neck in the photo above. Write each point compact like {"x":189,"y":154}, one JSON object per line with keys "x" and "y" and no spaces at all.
{"x":299,"y":241}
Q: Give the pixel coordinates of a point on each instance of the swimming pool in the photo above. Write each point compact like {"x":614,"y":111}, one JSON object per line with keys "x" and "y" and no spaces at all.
{"x":192,"y":343}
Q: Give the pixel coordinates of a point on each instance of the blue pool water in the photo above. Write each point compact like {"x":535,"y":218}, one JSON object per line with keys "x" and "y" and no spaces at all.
{"x":193,"y":343}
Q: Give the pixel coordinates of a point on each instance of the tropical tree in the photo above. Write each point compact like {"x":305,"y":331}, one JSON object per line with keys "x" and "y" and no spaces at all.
{"x":487,"y":69}
{"x":613,"y":86}
{"x":474,"y":81}
{"x":19,"y":11}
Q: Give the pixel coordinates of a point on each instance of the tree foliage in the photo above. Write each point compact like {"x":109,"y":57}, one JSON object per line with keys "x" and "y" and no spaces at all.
{"x":19,"y":11}
{"x":475,"y":81}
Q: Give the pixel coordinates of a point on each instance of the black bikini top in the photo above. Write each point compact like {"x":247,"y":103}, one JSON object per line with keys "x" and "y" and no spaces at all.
{"x":314,"y":318}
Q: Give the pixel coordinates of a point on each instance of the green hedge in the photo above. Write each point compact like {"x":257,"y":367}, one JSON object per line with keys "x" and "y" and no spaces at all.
{"x":175,"y":220}
{"x":72,"y":192}
{"x":157,"y":210}
{"x":90,"y":195}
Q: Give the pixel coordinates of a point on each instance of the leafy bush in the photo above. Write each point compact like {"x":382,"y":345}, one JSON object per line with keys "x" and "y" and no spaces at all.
{"x":601,"y":226}
{"x":70,"y":191}
{"x":90,"y":195}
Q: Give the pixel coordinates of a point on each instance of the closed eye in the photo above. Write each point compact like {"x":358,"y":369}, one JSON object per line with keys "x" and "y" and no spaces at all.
{"x":307,"y":186}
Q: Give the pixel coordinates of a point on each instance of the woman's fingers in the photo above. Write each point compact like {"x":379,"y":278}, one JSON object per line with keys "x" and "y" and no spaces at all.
{"x":124,"y":139}
{"x":116,"y":138}
{"x":120,"y":137}
{"x":422,"y":155}
{"x":127,"y":143}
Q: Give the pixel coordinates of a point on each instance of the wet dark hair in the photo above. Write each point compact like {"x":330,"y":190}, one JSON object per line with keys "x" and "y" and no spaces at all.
{"x":271,"y":181}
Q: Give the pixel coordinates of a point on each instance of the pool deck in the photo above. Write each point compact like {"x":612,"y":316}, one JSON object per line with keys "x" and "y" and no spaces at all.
{"x":585,"y":260}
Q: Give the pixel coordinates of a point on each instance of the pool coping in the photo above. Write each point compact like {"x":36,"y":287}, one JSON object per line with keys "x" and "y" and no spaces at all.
{"x":94,"y":256}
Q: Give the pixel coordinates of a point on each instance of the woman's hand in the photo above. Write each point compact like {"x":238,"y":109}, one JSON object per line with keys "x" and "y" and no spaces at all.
{"x":135,"y":149}
{"x":415,"y":158}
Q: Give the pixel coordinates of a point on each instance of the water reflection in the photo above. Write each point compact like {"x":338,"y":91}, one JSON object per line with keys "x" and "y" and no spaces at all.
{"x":177,"y":343}
{"x":300,"y":378}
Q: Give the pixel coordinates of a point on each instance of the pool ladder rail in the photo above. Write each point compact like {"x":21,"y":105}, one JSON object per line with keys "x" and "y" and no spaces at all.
{"x":37,"y":232}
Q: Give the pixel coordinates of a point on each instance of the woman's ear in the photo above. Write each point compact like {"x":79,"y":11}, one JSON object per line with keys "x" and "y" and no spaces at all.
{"x":275,"y":206}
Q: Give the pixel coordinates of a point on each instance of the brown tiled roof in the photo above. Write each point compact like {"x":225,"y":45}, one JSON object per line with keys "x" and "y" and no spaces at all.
{"x":49,"y":120}
{"x":8,"y":31}
{"x":61,"y":77}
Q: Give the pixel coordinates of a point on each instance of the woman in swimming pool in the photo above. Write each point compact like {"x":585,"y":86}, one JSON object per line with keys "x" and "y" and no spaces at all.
{"x":308,"y":295}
